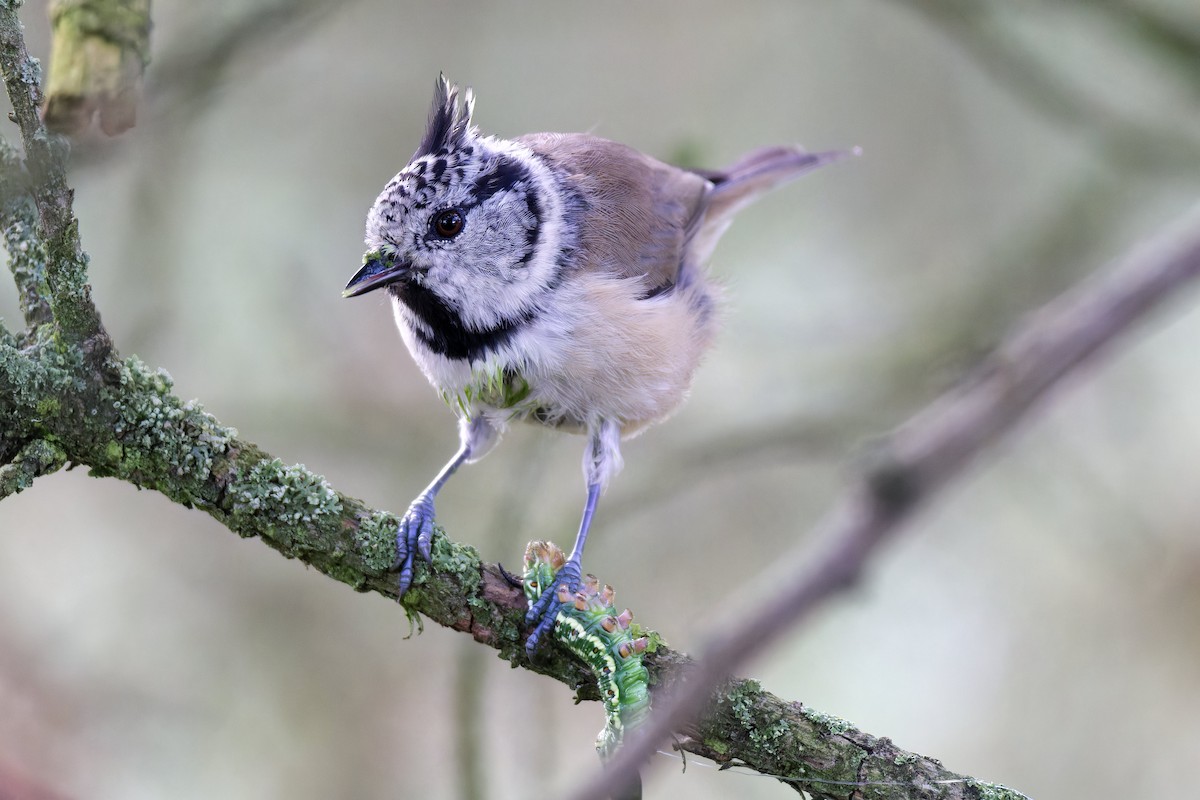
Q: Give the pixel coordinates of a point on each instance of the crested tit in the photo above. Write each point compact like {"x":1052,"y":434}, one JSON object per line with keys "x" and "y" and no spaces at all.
{"x":556,"y":278}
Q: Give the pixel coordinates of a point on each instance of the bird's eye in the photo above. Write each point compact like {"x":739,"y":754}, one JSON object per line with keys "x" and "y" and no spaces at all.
{"x":449,"y":223}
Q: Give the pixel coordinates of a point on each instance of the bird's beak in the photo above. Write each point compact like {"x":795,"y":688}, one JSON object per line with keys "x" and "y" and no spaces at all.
{"x":377,"y":270}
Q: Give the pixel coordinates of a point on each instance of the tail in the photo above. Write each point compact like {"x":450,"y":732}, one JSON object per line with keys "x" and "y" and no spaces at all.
{"x":745,"y":181}
{"x":761,"y":171}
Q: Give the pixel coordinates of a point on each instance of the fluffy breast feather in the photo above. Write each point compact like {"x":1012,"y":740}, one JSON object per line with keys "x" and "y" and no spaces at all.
{"x":604,"y":352}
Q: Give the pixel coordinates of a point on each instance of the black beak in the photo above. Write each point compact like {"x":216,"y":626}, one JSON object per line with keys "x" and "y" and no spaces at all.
{"x":377,"y":271}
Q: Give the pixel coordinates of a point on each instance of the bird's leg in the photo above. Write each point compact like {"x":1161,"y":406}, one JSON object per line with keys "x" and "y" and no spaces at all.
{"x":415,"y":534}
{"x":601,"y":461}
{"x":546,"y":608}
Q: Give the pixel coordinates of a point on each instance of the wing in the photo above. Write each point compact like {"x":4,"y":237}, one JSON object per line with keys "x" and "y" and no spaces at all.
{"x":641,"y":212}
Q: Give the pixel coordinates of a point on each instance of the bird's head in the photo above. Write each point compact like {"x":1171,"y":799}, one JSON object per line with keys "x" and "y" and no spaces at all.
{"x":469,"y":230}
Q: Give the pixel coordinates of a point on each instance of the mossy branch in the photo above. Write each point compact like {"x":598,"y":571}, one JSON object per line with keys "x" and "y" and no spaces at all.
{"x":36,"y":458}
{"x":76,"y":320}
{"x":26,"y":257}
{"x":66,"y":397}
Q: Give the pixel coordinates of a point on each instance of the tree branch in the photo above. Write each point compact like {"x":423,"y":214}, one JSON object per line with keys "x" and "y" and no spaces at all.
{"x":37,"y":458}
{"x":26,"y":257}
{"x":75,"y":316}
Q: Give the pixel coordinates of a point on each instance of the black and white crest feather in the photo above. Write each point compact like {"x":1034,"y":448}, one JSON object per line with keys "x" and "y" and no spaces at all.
{"x":449,"y":120}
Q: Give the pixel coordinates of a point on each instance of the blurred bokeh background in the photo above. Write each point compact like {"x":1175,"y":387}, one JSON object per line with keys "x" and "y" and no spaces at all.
{"x":1037,"y":627}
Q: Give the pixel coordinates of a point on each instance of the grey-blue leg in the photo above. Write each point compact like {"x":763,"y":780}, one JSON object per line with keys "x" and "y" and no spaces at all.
{"x":546,"y":608}
{"x":601,"y":460}
{"x":415,"y":534}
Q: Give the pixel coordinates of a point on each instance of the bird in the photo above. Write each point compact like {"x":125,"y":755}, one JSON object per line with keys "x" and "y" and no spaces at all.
{"x":557,"y":279}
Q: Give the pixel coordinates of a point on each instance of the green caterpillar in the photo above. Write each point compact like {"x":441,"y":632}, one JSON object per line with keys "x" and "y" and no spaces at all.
{"x":589,"y":626}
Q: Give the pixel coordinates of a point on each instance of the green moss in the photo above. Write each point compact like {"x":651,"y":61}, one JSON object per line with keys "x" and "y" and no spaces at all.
{"x":508,"y":628}
{"x":460,"y":560}
{"x":992,"y":791}
{"x":48,"y":407}
{"x":288,"y":495}
{"x":742,"y":697}
{"x":160,"y":438}
{"x":351,"y":576}
{"x":26,"y":256}
{"x":375,"y":540}
{"x":834,"y":726}
{"x":717,"y":746}
{"x":416,"y":625}
{"x":39,"y":457}
{"x":772,"y":735}
{"x":19,"y":378}
{"x":71,"y":296}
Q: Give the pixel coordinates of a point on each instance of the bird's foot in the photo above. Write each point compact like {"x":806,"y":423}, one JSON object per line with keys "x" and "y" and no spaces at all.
{"x":545,"y":610}
{"x":415,"y":535}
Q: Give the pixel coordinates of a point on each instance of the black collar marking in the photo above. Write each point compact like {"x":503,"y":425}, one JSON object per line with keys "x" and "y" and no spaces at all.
{"x":444,"y":332}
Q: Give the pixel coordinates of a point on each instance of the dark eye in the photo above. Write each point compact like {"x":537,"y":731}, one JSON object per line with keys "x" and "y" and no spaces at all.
{"x":449,"y":223}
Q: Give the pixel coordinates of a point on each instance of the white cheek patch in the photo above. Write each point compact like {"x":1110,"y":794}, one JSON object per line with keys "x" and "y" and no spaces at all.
{"x":504,"y":285}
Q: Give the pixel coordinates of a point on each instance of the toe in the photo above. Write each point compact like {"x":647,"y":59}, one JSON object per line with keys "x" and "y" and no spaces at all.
{"x":543,"y":629}
{"x":406,"y":573}
{"x":538,"y":609}
{"x":425,"y":538}
{"x":401,"y":545}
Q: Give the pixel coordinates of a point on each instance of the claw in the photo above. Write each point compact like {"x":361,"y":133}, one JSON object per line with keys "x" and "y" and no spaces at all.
{"x":512,"y":580}
{"x":414,"y":535}
{"x":401,"y":547}
{"x":544,"y":627}
{"x":545,"y":610}
{"x":425,"y":538}
{"x":406,"y":575}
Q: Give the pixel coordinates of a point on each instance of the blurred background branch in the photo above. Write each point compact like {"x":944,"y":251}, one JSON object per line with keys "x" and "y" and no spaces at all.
{"x":100,"y":49}
{"x":984,"y":29}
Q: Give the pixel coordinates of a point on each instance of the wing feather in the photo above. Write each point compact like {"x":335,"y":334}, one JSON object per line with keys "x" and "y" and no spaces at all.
{"x":641,"y":213}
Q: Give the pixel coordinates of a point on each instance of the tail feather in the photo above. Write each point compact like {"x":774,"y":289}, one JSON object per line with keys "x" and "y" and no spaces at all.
{"x":744,"y":182}
{"x":761,"y":171}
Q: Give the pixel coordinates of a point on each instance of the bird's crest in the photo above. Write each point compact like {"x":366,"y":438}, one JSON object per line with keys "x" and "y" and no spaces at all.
{"x":449,"y":121}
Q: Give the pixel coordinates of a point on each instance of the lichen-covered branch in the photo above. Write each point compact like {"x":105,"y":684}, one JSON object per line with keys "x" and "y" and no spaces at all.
{"x":26,"y":257}
{"x":98,"y":52}
{"x":36,"y":458}
{"x":70,"y":297}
